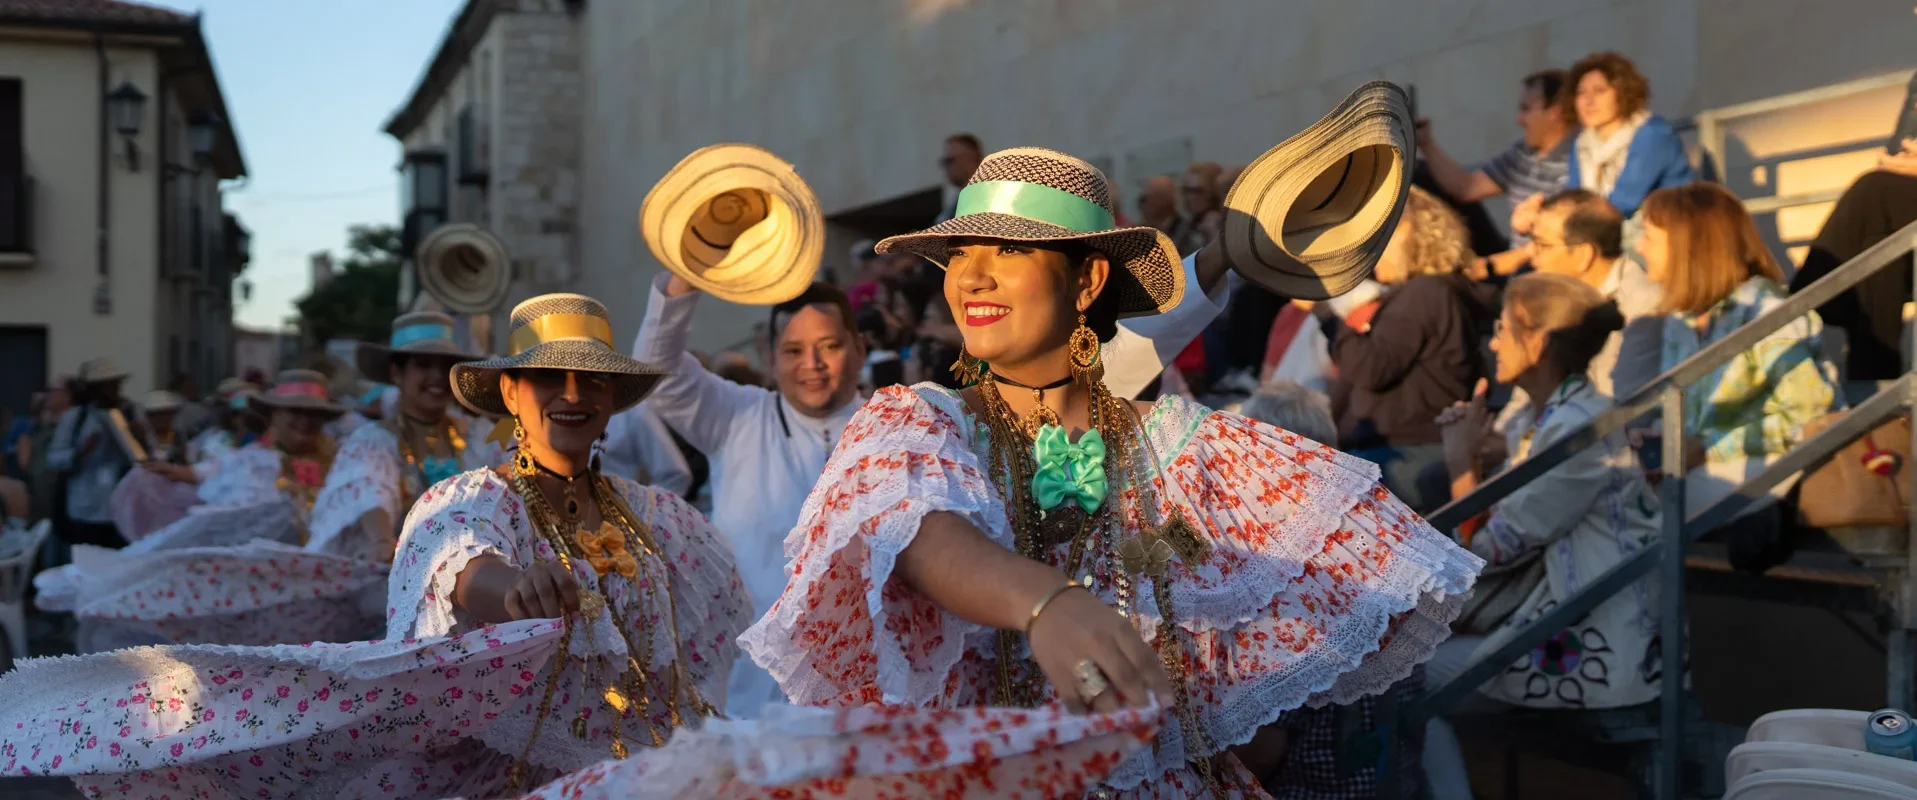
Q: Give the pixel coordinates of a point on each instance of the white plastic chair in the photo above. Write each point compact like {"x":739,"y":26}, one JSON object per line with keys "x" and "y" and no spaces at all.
{"x":1814,"y":753}
{"x":16,"y":570}
{"x":1816,"y":784}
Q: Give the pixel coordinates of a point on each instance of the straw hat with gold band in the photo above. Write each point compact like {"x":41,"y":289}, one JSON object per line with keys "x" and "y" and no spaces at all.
{"x":738,"y":223}
{"x":419,"y":332}
{"x":299,"y":390}
{"x":1030,"y":194}
{"x":1310,"y":217}
{"x":556,"y":331}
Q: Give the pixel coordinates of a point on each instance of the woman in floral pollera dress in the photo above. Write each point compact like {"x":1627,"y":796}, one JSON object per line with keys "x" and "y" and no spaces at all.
{"x":542,"y":618}
{"x":964,"y":549}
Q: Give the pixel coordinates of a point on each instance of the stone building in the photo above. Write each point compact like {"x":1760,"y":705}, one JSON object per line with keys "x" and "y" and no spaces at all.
{"x":490,"y":136}
{"x":114,"y":138}
{"x":859,"y":94}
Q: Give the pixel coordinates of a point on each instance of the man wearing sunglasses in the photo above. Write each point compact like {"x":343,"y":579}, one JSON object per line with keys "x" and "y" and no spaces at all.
{"x":962,"y":154}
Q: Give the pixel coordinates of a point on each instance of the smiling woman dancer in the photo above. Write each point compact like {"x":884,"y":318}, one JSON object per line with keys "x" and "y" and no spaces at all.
{"x":542,"y":618}
{"x":1033,"y":539}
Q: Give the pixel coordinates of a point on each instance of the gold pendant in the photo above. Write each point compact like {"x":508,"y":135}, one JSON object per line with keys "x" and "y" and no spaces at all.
{"x":579,"y":725}
{"x":1146,"y":554}
{"x":618,"y":749}
{"x":615,"y":699}
{"x":1184,"y":538}
{"x":592,"y":604}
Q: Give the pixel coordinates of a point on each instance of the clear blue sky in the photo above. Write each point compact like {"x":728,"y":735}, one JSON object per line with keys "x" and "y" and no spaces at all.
{"x":309,"y":85}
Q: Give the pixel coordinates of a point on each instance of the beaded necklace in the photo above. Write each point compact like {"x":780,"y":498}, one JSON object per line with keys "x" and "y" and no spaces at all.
{"x":1119,"y":564}
{"x":610,"y":549}
{"x":422,"y":472}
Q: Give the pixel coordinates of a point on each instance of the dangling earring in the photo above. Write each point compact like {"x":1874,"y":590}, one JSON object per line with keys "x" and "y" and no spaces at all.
{"x":522,"y":459}
{"x":1084,"y":351}
{"x":967,"y":369}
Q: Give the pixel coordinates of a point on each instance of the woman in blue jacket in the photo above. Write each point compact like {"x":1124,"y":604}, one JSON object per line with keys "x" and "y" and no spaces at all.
{"x":1625,"y":152}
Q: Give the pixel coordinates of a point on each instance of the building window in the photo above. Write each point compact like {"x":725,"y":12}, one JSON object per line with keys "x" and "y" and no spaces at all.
{"x":16,"y":211}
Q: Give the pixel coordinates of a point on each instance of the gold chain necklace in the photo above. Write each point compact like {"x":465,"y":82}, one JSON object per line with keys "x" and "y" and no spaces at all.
{"x":1118,"y":564}
{"x":630,"y":690}
{"x":406,"y":430}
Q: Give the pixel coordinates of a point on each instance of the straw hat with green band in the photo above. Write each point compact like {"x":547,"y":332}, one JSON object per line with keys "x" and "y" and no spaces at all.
{"x":1030,"y":194}
{"x":556,"y":331}
{"x":418,"y":332}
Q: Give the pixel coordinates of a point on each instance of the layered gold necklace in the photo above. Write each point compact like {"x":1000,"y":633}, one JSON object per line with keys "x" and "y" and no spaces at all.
{"x":622,"y":545}
{"x":1096,"y":555}
{"x":417,"y":438}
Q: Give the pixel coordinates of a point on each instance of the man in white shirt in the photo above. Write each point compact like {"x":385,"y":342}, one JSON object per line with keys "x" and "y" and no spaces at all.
{"x":768,"y":448}
{"x":638,"y":446}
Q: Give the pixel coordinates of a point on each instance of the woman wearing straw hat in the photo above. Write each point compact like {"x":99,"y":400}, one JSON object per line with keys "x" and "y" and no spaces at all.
{"x":974,"y":548}
{"x":543,"y":618}
{"x":383,"y":467}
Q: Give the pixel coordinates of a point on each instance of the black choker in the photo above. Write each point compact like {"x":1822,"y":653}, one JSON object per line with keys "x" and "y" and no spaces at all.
{"x":1061,"y":382}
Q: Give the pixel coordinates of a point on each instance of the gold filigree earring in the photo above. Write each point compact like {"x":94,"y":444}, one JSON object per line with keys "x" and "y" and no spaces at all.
{"x":1084,"y":351}
{"x":522,"y":458}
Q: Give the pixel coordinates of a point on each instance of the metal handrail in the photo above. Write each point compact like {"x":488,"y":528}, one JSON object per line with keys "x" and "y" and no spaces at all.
{"x":1666,"y":393}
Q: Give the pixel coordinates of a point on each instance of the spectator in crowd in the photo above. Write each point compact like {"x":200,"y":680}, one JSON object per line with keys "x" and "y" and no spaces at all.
{"x":962,"y":154}
{"x":1702,"y":248}
{"x":1204,"y":200}
{"x":164,"y":442}
{"x":87,"y":455}
{"x":1548,"y":539}
{"x":1625,"y":152}
{"x":1158,"y":207}
{"x":14,"y":502}
{"x":18,"y":446}
{"x":1416,"y":354}
{"x":1579,"y":235}
{"x":193,"y":415}
{"x":1876,"y":205}
{"x":1538,"y":163}
{"x":868,"y":275}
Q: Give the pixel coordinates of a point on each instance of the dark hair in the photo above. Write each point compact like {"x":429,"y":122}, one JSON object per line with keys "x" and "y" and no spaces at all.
{"x":968,"y":140}
{"x":1577,"y":321}
{"x":1557,"y":92}
{"x":1102,"y":316}
{"x":818,"y":294}
{"x":1590,"y":219}
{"x":1633,"y":91}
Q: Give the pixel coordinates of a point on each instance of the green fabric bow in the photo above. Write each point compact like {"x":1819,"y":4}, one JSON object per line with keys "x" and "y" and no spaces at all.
{"x":1069,"y":471}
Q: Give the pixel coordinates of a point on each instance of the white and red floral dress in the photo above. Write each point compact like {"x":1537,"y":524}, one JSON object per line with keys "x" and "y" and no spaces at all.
{"x":1319,"y":586}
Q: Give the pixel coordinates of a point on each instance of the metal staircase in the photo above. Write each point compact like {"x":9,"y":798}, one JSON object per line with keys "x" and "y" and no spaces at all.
{"x":1682,"y":526}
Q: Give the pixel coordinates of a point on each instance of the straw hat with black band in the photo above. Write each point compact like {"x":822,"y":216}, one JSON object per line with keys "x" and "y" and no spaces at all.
{"x":1309,"y":218}
{"x":562,"y":332}
{"x":416,"y":333}
{"x":738,"y":223}
{"x":297,"y":390}
{"x":1031,"y":194}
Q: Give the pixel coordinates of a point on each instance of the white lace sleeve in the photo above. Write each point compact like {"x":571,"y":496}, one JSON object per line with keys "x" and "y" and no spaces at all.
{"x":900,"y":459}
{"x":710,"y":604}
{"x":454,"y":522}
{"x":243,"y":477}
{"x":365,"y":476}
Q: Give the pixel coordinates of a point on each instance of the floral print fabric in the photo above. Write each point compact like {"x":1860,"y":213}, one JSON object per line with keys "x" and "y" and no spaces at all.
{"x":1320,"y":586}
{"x":368,"y":474}
{"x":873,"y":752}
{"x":428,"y":712}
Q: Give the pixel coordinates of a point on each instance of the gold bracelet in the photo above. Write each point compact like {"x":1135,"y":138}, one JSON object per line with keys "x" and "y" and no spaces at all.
{"x":1040,"y":607}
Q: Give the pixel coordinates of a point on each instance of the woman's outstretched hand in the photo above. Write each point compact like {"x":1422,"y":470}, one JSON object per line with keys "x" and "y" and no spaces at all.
{"x":1076,"y":627}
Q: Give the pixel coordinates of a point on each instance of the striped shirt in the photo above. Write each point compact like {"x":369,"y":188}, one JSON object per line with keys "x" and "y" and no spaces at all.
{"x":1522,"y":172}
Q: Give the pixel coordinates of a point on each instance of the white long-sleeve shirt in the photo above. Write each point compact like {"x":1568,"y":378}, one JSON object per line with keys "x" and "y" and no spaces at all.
{"x":766,"y":455}
{"x":638,"y":446}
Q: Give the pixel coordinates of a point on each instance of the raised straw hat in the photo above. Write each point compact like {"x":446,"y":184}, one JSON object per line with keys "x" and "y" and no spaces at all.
{"x":556,"y":331}
{"x":1031,"y":194}
{"x":738,"y":223}
{"x":1309,"y":218}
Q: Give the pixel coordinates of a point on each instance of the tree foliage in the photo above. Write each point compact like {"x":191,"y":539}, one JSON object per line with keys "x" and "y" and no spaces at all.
{"x":363,"y":296}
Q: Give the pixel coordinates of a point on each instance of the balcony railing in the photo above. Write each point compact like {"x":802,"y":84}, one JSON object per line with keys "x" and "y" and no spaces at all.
{"x":16,"y":215}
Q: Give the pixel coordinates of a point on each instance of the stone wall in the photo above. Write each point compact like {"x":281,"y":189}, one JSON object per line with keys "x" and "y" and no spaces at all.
{"x":859,"y":93}
{"x":536,"y":144}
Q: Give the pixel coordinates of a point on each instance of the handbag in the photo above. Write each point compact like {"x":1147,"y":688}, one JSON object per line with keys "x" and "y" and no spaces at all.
{"x":1499,"y":592}
{"x":1864,"y":484}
